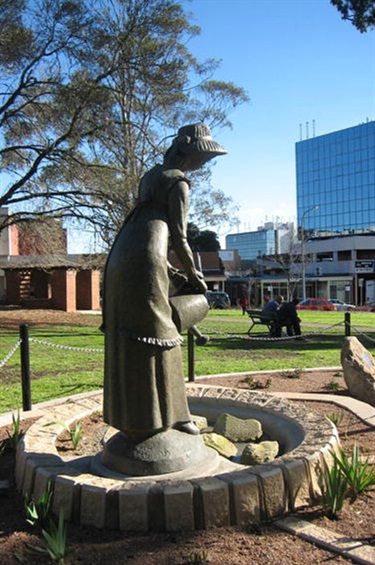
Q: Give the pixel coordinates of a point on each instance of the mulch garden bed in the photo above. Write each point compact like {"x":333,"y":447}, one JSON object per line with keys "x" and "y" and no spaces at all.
{"x":223,"y":546}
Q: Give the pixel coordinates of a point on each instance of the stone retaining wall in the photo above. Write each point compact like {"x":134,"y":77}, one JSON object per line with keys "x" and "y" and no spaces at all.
{"x":229,"y":495}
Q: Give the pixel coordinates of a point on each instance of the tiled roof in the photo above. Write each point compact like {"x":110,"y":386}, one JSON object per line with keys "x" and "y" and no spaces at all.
{"x":51,"y":261}
{"x":204,"y":260}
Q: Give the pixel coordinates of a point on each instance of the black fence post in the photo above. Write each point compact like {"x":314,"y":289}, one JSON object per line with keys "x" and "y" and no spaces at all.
{"x":347,"y":324}
{"x":191,"y":362}
{"x":25,"y":367}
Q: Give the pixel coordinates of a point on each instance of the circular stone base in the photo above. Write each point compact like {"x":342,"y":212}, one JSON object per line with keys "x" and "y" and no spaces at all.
{"x":165,"y":452}
{"x":214,"y":493}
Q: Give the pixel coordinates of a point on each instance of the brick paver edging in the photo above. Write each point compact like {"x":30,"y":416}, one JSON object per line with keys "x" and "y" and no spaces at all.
{"x":159,"y":503}
{"x":351,"y":549}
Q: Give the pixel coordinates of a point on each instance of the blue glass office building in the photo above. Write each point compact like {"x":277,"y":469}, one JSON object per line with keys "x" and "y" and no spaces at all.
{"x":251,"y":245}
{"x":336,"y":173}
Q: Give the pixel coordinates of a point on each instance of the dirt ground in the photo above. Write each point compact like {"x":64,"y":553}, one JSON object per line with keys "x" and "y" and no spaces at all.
{"x":12,"y":317}
{"x":256,"y":545}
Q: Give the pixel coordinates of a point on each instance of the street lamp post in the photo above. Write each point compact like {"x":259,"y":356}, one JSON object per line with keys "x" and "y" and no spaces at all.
{"x":311,"y":209}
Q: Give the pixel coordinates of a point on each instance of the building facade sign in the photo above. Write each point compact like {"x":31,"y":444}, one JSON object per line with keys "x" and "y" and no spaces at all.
{"x":364,"y":266}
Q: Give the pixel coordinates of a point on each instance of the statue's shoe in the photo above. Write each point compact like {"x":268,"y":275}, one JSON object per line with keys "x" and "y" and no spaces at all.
{"x":187,"y":427}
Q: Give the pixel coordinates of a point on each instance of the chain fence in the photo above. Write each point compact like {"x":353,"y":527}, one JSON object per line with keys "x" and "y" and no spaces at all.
{"x":23,"y":343}
{"x":67,"y":347}
{"x":10,"y":353}
{"x":360,"y":332}
{"x":202,"y":328}
{"x":270,"y":338}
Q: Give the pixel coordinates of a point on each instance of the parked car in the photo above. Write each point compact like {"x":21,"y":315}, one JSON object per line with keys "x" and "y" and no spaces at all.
{"x":340,"y":305}
{"x":316,"y":304}
{"x":370,"y":307}
{"x":218,"y":299}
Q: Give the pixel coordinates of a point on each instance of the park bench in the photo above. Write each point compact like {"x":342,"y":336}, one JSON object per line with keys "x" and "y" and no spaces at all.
{"x":259,"y":319}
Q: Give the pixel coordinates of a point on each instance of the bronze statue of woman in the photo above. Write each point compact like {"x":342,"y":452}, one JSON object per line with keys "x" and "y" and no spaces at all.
{"x":144,"y":388}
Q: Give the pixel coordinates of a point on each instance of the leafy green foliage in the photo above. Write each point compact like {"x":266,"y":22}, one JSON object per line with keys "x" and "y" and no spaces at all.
{"x":256,"y":384}
{"x":335,"y":418}
{"x":14,"y":435}
{"x":38,"y":513}
{"x":333,"y":385}
{"x":335,"y":489}
{"x":75,"y":432}
{"x":205,"y":240}
{"x":360,"y":12}
{"x":197,"y":558}
{"x":90,"y":91}
{"x":358,"y":474}
{"x":347,"y":476}
{"x":56,"y":539}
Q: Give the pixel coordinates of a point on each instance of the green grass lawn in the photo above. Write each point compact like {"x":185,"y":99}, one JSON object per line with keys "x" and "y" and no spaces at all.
{"x":59,"y":372}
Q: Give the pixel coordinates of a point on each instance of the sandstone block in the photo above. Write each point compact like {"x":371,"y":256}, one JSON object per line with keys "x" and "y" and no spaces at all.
{"x":21,"y":457}
{"x":274,"y":492}
{"x":297,"y":480}
{"x":63,"y":496}
{"x":42,"y":479}
{"x":257,"y":453}
{"x":214,"y":495}
{"x":28,"y":479}
{"x":93,"y":501}
{"x":316,"y":468}
{"x":133,"y":509}
{"x":178,"y":507}
{"x":359,"y":370}
{"x":246,"y":500}
{"x":199,"y":421}
{"x":238,"y":429}
{"x":220,"y":443}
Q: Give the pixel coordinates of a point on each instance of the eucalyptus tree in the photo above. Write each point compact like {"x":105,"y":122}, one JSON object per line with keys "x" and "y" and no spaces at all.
{"x":90,"y":90}
{"x":361,"y":13}
{"x":155,"y":86}
{"x":202,"y":240}
{"x":49,"y":106}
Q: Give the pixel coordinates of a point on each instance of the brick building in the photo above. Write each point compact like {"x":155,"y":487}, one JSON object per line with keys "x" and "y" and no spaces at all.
{"x":36,"y":271}
{"x":68,"y":284}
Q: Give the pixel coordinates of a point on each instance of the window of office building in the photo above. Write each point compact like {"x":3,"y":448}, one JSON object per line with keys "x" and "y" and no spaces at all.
{"x":327,"y":256}
{"x":251,"y":245}
{"x":365,"y":253}
{"x":336,"y":180}
{"x":344,"y":255}
{"x":341,"y":290}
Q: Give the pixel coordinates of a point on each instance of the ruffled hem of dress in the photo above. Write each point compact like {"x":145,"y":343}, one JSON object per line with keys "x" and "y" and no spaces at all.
{"x":158,"y":341}
{"x":161,"y":342}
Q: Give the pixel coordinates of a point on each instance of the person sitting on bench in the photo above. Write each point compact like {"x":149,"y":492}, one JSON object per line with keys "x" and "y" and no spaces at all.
{"x":270,"y":310}
{"x":287,"y":316}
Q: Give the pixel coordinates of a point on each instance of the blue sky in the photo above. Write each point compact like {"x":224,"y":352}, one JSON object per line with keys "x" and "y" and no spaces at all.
{"x":299,"y":62}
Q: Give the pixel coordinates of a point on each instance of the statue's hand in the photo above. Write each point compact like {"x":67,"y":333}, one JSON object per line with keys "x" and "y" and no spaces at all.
{"x":178,"y":280}
{"x":197,"y":281}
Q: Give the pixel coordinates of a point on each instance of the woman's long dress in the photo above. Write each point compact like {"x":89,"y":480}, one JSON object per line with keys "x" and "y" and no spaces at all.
{"x":144,"y":389}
